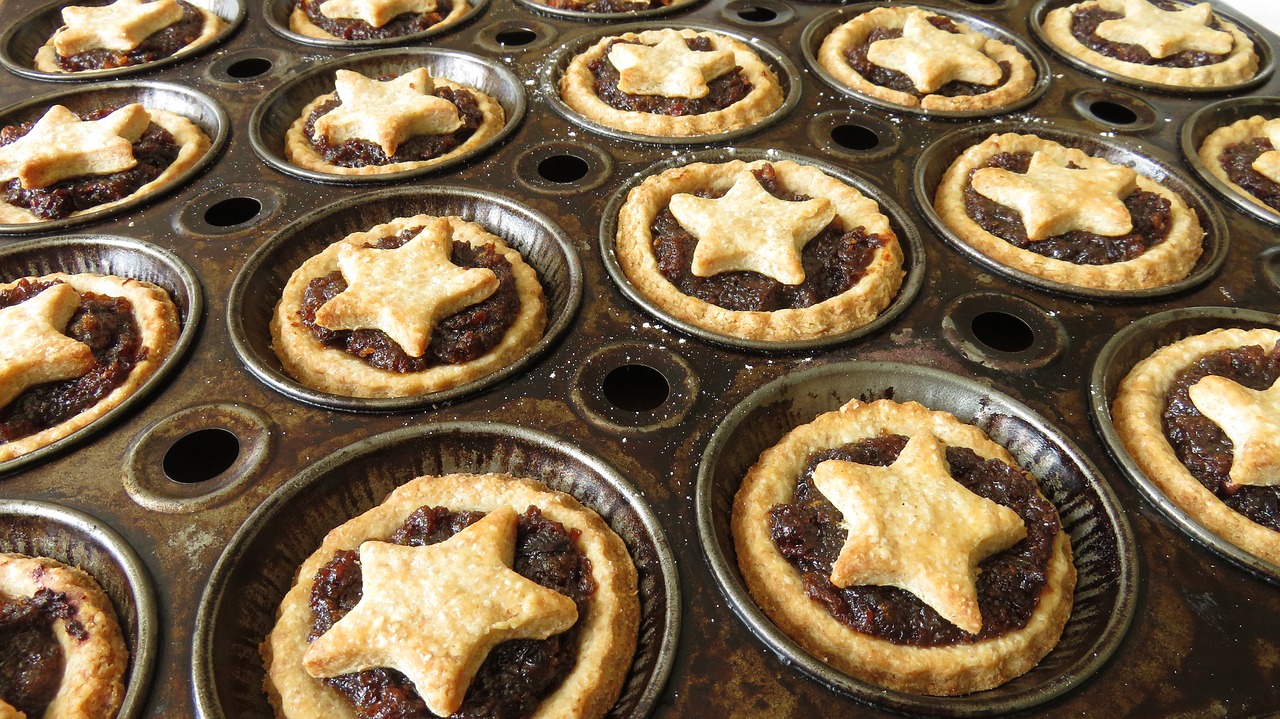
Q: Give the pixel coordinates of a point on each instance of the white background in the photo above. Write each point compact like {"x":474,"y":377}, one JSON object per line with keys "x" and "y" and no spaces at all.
{"x":1262,"y":12}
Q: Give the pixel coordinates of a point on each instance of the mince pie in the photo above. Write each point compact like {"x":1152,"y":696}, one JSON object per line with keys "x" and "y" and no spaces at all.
{"x":611,"y":6}
{"x":1157,"y":41}
{"x":909,"y":56}
{"x":671,"y":83}
{"x":459,"y":595}
{"x":1199,"y":417}
{"x":65,"y":164}
{"x":375,"y":126}
{"x":62,"y":654}
{"x":1061,"y":215}
{"x":905,"y":548}
{"x":373,"y":19}
{"x":125,"y":33}
{"x":76,"y":346}
{"x":817,"y":257}
{"x":412,"y":306}
{"x":1244,"y":155}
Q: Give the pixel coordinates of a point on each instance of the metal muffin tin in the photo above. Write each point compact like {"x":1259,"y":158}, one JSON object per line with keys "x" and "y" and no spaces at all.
{"x":217,"y":455}
{"x":1220,"y":114}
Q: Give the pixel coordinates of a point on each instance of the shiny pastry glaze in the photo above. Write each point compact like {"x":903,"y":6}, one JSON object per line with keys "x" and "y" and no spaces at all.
{"x":461,"y":337}
{"x":1237,"y":162}
{"x":517,"y":674}
{"x":1084,"y":26}
{"x":1202,"y":446}
{"x":398,"y":26}
{"x":31,"y":661}
{"x":158,"y":45}
{"x":362,"y":153}
{"x":1150,"y":214}
{"x":724,"y":90}
{"x":154,"y":151}
{"x":104,"y":323}
{"x":833,"y":262}
{"x":894,"y":80}
{"x":808,"y":534}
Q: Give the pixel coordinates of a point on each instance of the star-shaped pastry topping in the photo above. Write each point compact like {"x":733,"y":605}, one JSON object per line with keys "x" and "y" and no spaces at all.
{"x":1054,"y":199}
{"x":747,"y":229}
{"x":1166,"y":32}
{"x":120,"y":26}
{"x":932,"y":57}
{"x":433,"y":613}
{"x":1268,"y":163}
{"x":34,"y":350}
{"x":1251,"y":419}
{"x":668,"y":69}
{"x":387,"y":113}
{"x":913,"y":527}
{"x":375,"y":12}
{"x":405,"y":291}
{"x":61,"y":145}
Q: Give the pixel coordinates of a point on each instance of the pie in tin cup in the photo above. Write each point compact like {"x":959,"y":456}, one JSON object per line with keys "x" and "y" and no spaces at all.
{"x":125,"y":33}
{"x":373,"y":19}
{"x":1243,"y":155}
{"x":589,"y":8}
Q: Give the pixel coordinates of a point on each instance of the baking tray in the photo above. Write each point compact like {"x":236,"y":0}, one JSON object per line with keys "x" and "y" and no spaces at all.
{"x":195,"y":466}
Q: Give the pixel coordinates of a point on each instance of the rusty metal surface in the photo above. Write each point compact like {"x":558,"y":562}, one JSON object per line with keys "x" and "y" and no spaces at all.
{"x":1205,"y":640}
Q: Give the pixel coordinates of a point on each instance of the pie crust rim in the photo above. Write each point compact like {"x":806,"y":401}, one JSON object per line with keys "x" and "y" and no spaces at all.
{"x":1210,"y":152}
{"x":674,"y":7}
{"x":214,"y":26}
{"x":300,"y":27}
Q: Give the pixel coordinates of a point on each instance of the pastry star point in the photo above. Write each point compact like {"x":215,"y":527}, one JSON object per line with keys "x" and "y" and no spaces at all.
{"x":120,"y":26}
{"x":35,"y":350}
{"x":910,"y":525}
{"x":1251,"y":419}
{"x":668,"y":69}
{"x":932,"y":57}
{"x":466,"y":600}
{"x":748,"y":229}
{"x":1096,"y":195}
{"x":61,"y":145}
{"x":405,"y":291}
{"x":387,"y":113}
{"x":1166,"y":32}
{"x":1268,"y":163}
{"x":374,"y":12}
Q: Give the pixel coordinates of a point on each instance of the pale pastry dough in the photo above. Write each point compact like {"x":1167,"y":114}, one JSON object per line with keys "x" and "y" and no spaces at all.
{"x":301,"y":24}
{"x":1245,"y":130}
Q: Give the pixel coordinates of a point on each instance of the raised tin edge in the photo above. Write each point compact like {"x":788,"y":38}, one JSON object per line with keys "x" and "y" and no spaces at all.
{"x":276,"y":15}
{"x":1204,"y":121}
{"x":624,"y":16}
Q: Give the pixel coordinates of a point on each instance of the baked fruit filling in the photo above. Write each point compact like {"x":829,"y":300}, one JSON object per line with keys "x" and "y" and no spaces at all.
{"x":158,"y":44}
{"x":31,"y":660}
{"x":607,"y":6}
{"x":1240,"y":162}
{"x":859,"y":58}
{"x":1158,"y":33}
{"x":375,"y":19}
{"x":716,"y":81}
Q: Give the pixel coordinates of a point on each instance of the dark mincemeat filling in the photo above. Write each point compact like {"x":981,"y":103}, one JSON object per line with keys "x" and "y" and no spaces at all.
{"x":603,"y":6}
{"x":894,"y":80}
{"x":1149,"y":212}
{"x":833,"y":262}
{"x":518,"y":673}
{"x":1237,"y":162}
{"x":158,"y":45}
{"x":1203,"y":447}
{"x":31,"y":661}
{"x":104,"y":323}
{"x":1084,"y":26}
{"x":362,"y":153}
{"x":349,"y":29}
{"x":808,"y":534}
{"x":154,"y":151}
{"x":723,"y":91}
{"x":460,"y":337}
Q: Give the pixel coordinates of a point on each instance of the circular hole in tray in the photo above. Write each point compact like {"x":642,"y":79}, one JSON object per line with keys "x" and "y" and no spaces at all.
{"x":858,"y":138}
{"x":1269,"y":266}
{"x":260,"y":282}
{"x":249,"y":65}
{"x":509,"y":36}
{"x":108,"y":255}
{"x":21,"y":41}
{"x":1102,"y":542}
{"x":79,"y":540}
{"x":1201,"y":123}
{"x":1112,"y":113}
{"x":853,"y":135}
{"x":229,"y":209}
{"x":275,"y":114}
{"x":1003,"y":332}
{"x":251,"y":577}
{"x":634,"y":386}
{"x":758,"y":13}
{"x":1126,"y":348}
{"x":232,"y":211}
{"x":249,"y":68}
{"x":563,"y":167}
{"x":201,"y":455}
{"x":908,"y":240}
{"x":277,"y":14}
{"x":1114,"y":110}
{"x":939,"y":155}
{"x":195,"y":106}
{"x":515,"y":36}
{"x":821,"y":26}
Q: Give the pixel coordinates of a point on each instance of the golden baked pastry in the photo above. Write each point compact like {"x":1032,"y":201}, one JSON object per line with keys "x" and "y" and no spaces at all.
{"x":671,"y":83}
{"x":78,"y":346}
{"x":411,"y":306}
{"x":369,"y":126}
{"x":1062,"y":215}
{"x":918,"y":58}
{"x":125,"y":33}
{"x":445,"y":586}
{"x":1161,"y":41}
{"x":1198,"y":406}
{"x":611,"y":6}
{"x":76,"y":659}
{"x":907,"y":494}
{"x":65,"y":165}
{"x":818,"y":259}
{"x":373,"y":19}
{"x":1244,"y":156}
